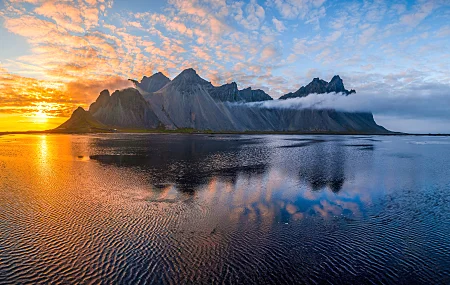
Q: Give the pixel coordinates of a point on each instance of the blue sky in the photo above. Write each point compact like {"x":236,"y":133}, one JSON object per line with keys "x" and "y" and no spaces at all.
{"x":389,"y":51}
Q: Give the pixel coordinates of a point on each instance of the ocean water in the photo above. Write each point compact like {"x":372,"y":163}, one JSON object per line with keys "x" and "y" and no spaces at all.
{"x":234,"y":209}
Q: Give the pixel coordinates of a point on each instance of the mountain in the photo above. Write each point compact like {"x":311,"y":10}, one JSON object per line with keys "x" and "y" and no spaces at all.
{"x":186,"y":102}
{"x":152,"y":83}
{"x":124,"y":109}
{"x":319,"y":86}
{"x":229,"y":93}
{"x":250,"y":95}
{"x":226,"y":93}
{"x":304,"y":120}
{"x":82,"y":121}
{"x":189,"y":101}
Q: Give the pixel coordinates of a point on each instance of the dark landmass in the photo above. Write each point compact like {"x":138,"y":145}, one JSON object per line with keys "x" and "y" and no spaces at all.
{"x":82,"y":121}
{"x":197,"y":132}
{"x":319,"y":86}
{"x":189,"y":102}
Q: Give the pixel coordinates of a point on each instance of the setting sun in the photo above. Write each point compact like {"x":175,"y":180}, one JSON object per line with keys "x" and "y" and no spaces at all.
{"x":40,"y":116}
{"x":224,"y":141}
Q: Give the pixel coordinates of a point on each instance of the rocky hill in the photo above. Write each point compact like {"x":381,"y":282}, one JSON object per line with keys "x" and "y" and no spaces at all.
{"x":82,"y":121}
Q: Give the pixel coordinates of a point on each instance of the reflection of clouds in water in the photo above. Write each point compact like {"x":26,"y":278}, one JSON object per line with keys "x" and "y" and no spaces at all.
{"x":258,"y":199}
{"x":224,"y":206}
{"x":249,"y":179}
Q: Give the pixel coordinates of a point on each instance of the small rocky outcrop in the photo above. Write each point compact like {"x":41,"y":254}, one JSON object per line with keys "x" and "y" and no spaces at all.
{"x":81,"y":121}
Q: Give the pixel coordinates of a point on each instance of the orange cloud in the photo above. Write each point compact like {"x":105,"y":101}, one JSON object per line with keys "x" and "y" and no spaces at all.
{"x":25,"y":95}
{"x":74,"y":58}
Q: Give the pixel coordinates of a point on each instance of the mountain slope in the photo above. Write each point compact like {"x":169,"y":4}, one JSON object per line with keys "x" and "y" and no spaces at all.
{"x":192,"y":102}
{"x":185,"y":102}
{"x":124,"y":109}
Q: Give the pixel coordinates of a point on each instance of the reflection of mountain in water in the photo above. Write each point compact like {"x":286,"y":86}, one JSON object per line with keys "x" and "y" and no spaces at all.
{"x":324,"y":167}
{"x":317,"y":162}
{"x":187,"y":161}
{"x":256,"y":177}
{"x":193,"y":160}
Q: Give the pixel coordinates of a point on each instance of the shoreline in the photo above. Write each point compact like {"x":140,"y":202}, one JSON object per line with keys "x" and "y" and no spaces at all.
{"x":194,"y":132}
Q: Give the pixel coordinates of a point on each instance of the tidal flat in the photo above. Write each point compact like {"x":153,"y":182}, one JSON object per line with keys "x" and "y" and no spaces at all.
{"x":235,"y":209}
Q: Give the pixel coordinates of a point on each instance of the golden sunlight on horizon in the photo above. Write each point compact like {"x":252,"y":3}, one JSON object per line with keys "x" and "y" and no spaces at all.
{"x":30,"y":104}
{"x":24,"y":122}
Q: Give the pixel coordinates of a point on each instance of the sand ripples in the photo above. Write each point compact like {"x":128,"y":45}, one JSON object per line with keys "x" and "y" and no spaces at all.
{"x":238,"y":212}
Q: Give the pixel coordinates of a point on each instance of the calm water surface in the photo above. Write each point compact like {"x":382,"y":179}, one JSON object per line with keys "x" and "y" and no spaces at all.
{"x":133,"y":209}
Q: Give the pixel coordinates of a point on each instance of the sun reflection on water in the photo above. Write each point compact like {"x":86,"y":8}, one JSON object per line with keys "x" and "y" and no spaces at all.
{"x":43,"y":154}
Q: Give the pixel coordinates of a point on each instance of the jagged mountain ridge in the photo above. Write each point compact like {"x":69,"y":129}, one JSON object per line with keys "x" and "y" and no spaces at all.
{"x":254,"y":95}
{"x":319,"y":86}
{"x":189,"y":101}
{"x":228,"y":92}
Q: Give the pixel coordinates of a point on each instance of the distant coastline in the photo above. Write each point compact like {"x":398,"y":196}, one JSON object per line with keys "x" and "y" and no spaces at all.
{"x":197,"y":132}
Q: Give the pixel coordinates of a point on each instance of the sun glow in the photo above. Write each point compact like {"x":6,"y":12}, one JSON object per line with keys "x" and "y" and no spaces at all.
{"x":40,"y":116}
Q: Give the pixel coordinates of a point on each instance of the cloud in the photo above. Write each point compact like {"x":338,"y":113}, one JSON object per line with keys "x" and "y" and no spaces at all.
{"x":270,"y":44}
{"x":309,"y":10}
{"x":270,"y":52}
{"x":426,"y":102}
{"x":20,"y":94}
{"x":421,"y":11}
{"x":443,"y":32}
{"x":252,"y":18}
{"x":278,"y":25}
{"x":367,"y":35}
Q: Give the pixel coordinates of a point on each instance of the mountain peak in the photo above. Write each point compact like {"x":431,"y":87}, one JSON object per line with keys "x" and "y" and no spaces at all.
{"x":157,"y":76}
{"x":152,"y":83}
{"x":159,"y":73}
{"x":104,"y":93}
{"x":336,"y":77}
{"x":78,"y":111}
{"x":190,"y":72}
{"x":190,"y":76}
{"x":337,"y":85}
{"x":187,"y":70}
{"x":320,"y":86}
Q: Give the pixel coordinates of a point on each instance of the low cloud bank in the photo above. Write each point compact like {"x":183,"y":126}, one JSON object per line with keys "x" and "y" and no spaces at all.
{"x":426,"y":103}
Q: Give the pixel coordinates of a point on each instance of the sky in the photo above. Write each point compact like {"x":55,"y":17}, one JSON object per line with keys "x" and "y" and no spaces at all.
{"x":58,"y":55}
